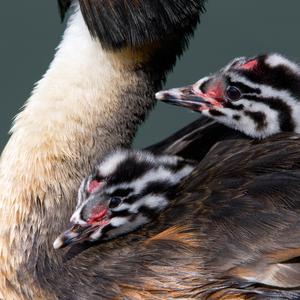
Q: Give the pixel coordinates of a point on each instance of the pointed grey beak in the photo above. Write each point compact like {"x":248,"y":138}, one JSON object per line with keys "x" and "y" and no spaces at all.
{"x":185,"y":97}
{"x":75,"y":234}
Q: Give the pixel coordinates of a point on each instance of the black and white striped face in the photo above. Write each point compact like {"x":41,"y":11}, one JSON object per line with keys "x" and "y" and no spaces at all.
{"x":128,"y":189}
{"x":259,"y":96}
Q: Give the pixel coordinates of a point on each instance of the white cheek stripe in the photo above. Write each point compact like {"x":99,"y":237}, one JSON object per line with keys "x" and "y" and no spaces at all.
{"x":151,"y":201}
{"x":96,"y":235}
{"x":123,"y":206}
{"x":169,"y":160}
{"x":80,"y":195}
{"x":110,"y":164}
{"x":275,"y":60}
{"x":118,"y":221}
{"x":130,"y":226}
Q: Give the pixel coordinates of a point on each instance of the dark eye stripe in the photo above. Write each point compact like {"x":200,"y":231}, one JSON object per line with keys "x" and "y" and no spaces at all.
{"x":232,"y":106}
{"x":243,"y":87}
{"x":286,"y":121}
{"x":121,"y":213}
{"x":258,"y":117}
{"x":121,"y":192}
{"x":82,"y":215}
{"x":216,"y":113}
{"x":131,"y":199}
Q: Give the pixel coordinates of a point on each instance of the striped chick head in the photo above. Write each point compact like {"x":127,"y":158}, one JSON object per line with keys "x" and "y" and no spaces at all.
{"x":258,"y":96}
{"x":127,"y":189}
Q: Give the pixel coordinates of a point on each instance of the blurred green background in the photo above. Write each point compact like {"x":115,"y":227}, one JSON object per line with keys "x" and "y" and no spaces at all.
{"x":31,"y":30}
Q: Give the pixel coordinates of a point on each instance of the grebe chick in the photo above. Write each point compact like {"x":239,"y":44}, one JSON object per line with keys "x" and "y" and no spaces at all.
{"x":127,"y":190}
{"x":258,"y":96}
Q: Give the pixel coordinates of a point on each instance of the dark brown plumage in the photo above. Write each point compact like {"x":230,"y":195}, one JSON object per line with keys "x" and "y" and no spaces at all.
{"x":231,"y":233}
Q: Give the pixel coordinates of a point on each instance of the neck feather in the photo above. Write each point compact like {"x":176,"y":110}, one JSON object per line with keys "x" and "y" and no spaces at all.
{"x":89,"y":102}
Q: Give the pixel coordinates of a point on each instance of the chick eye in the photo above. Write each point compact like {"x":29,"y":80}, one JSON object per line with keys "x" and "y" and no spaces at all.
{"x":115,"y":202}
{"x":233,"y":93}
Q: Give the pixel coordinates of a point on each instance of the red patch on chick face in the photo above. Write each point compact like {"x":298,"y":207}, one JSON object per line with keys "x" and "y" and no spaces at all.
{"x":98,"y":215}
{"x":250,"y":65}
{"x":94,"y":186}
{"x":214,"y":94}
{"x":215,"y":91}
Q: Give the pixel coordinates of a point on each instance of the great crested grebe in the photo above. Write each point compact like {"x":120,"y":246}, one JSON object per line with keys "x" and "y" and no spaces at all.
{"x":96,"y":92}
{"x":206,"y":245}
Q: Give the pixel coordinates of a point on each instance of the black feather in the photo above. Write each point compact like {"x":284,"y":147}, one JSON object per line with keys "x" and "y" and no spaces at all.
{"x":63,"y":6}
{"x":135,"y":23}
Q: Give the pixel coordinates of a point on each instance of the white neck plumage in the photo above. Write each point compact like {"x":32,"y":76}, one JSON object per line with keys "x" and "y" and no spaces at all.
{"x":75,"y":115}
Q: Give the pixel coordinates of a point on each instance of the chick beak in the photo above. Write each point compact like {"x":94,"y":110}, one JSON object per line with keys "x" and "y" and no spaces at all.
{"x":189,"y":97}
{"x":75,"y":234}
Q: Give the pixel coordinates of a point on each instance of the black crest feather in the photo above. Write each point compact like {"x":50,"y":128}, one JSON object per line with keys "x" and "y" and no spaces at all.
{"x":133,"y":23}
{"x":63,"y":7}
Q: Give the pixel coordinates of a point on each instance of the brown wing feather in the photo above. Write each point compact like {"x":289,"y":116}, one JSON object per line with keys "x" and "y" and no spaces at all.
{"x":232,"y":230}
{"x":251,"y":211}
